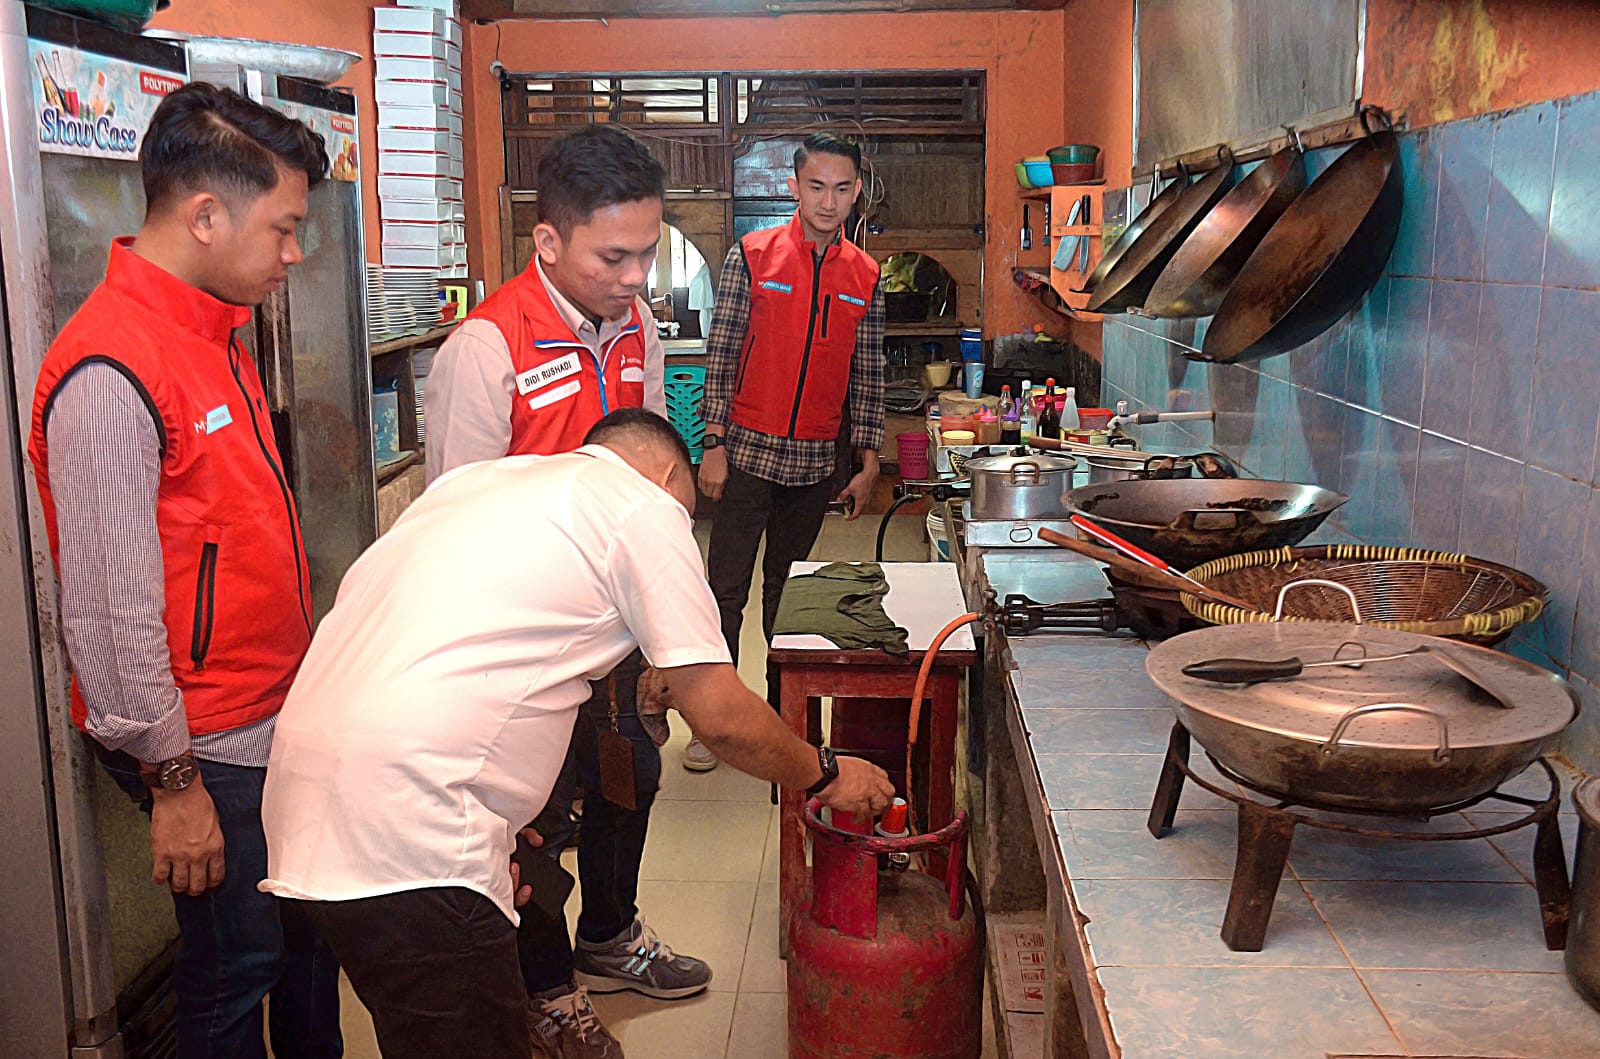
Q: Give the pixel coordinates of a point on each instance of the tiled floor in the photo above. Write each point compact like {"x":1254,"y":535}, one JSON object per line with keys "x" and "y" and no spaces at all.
{"x":1374,"y":947}
{"x":709,"y":882}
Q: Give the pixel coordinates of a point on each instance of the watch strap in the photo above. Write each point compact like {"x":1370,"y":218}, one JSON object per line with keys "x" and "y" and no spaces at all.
{"x":830,"y":771}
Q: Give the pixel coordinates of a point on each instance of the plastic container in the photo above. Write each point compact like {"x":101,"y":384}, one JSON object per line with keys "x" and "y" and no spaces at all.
{"x":938,"y":538}
{"x":685,"y":385}
{"x":1022,"y":177}
{"x":1074,"y":152}
{"x":959,"y":437}
{"x":1069,"y":410}
{"x":1071,"y":172}
{"x":972,"y":379}
{"x":988,"y":432}
{"x":1039,"y":173}
{"x":971,"y":343}
{"x":911,"y":452}
{"x":936,"y":373}
{"x":968,"y":423}
{"x":1094,"y":418}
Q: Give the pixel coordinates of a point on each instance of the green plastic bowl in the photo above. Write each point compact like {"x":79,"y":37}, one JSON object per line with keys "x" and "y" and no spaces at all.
{"x":1075,"y":154}
{"x":1022,"y":177}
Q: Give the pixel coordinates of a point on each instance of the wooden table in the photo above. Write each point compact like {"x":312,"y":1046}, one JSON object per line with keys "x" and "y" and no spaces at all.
{"x":923,"y":598}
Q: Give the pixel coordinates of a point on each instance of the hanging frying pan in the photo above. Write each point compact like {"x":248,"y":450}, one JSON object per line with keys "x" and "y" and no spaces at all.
{"x":1327,"y":250}
{"x":1199,"y":274}
{"x":1130,"y":279}
{"x":1130,"y":235}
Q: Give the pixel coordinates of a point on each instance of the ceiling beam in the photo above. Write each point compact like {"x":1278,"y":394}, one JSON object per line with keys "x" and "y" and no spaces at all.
{"x":553,"y":9}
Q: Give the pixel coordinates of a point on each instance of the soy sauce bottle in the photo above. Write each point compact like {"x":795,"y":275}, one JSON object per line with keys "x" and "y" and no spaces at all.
{"x":1049,"y":418}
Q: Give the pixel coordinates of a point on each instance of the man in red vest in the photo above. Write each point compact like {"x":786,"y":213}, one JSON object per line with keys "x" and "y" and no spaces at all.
{"x":797,"y":333}
{"x":529,"y":372}
{"x":185,"y":593}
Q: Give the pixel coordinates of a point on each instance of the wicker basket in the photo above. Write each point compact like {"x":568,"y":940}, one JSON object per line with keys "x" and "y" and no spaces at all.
{"x":1435,"y":593}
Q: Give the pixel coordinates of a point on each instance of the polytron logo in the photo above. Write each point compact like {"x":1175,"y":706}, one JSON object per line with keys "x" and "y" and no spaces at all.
{"x":157,"y":84}
{"x":342,"y":124}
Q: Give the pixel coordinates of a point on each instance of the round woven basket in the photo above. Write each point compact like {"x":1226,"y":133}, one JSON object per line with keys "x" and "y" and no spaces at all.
{"x":1436,"y":593}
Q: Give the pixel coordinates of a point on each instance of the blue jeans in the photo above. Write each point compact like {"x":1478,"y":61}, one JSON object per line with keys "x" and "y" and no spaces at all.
{"x":612,"y":844}
{"x":240,"y":945}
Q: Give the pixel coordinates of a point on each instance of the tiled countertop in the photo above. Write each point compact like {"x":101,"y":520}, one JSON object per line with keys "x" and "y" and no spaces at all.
{"x":1374,"y":947}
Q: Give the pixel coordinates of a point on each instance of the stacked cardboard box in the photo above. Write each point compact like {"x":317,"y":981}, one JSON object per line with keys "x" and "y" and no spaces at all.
{"x":416,"y":49}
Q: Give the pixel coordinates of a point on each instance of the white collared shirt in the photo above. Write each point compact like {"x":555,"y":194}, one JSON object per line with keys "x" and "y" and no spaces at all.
{"x":432,"y":713}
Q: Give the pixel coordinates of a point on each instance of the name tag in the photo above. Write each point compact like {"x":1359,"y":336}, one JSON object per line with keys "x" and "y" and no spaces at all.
{"x":560,"y":393}
{"x":852,"y":301}
{"x":547,"y":373}
{"x":218,"y":418}
{"x":772,"y":284}
{"x":633,"y":375}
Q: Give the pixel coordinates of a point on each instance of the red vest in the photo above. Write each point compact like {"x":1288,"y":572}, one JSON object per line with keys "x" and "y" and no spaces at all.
{"x":794,"y":372}
{"x":238,"y":592}
{"x":562,"y":389}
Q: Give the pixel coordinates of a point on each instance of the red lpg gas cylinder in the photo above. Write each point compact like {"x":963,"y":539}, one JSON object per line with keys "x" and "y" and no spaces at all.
{"x":884,"y":964}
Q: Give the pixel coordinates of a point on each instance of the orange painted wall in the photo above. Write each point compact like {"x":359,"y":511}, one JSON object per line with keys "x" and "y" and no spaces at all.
{"x":1097,"y":68}
{"x":343,"y":24}
{"x":1444,"y":59}
{"x":1021,"y":51}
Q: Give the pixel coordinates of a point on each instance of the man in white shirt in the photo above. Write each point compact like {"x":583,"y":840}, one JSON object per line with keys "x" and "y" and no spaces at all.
{"x":432,"y":713}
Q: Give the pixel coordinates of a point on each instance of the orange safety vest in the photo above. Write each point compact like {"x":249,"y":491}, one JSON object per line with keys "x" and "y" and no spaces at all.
{"x":563,"y":389}
{"x":794,"y":371}
{"x":237,"y":583}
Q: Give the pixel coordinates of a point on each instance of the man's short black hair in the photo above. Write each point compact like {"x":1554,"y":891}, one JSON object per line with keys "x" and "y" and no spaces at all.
{"x":206,"y":137}
{"x":595,"y":167}
{"x":827,"y":143}
{"x":641,"y":425}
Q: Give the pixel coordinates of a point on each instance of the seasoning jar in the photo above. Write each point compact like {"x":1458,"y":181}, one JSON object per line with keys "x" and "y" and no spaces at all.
{"x":959,"y":437}
{"x":988,"y":428}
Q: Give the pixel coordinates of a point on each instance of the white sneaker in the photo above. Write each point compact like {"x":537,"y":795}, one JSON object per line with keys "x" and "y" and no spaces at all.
{"x":697,"y":757}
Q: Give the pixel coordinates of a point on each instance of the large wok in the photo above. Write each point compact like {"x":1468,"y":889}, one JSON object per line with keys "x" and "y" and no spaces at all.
{"x":1198,"y":276}
{"x":1326,"y":250}
{"x":1130,"y":235}
{"x":1401,"y":736}
{"x":1130,"y":279}
{"x":1192,"y":521}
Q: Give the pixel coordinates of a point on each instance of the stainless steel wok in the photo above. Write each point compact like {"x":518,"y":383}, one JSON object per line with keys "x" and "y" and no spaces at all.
{"x":1405,"y":735}
{"x":1189,"y":522}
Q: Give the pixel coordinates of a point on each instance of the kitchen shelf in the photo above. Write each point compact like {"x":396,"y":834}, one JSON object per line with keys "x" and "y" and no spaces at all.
{"x":399,"y":345}
{"x":1034,"y":194}
{"x":952,"y":328}
{"x":390,"y":471}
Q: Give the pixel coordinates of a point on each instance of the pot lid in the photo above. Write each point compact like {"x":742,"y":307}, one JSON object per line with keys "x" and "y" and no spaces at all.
{"x":1006,"y":464}
{"x":1311,"y":705}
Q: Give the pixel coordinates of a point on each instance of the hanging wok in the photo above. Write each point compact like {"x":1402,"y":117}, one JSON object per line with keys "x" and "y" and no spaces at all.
{"x":1199,"y":274}
{"x":1130,"y":279}
{"x":1130,"y":235}
{"x":1326,"y":250}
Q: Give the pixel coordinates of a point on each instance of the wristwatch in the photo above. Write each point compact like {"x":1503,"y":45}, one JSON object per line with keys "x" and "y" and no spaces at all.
{"x":830,"y":771}
{"x":713,"y":441}
{"x":173,"y":774}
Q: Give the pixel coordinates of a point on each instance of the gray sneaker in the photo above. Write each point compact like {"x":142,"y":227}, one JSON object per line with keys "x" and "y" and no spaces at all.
{"x":566,"y":1027}
{"x":639,"y":960}
{"x":697,"y":757}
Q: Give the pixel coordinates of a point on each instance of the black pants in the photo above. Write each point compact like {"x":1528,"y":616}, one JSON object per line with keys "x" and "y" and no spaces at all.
{"x":790,"y":516}
{"x":436,"y":967}
{"x":613,"y":837}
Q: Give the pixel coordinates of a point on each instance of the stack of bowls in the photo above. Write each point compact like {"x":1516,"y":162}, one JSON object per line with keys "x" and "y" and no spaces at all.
{"x":1073,"y":163}
{"x":1038,"y":170}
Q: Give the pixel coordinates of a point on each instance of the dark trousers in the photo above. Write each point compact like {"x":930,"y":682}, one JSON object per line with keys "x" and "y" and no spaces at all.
{"x":790,"y":516}
{"x":613,"y":837}
{"x":437,"y":968}
{"x":239,"y":945}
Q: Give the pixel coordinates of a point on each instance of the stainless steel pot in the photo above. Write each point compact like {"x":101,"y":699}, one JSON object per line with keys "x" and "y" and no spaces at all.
{"x":1019,"y":487}
{"x":1114,"y":467}
{"x":1408,"y":735}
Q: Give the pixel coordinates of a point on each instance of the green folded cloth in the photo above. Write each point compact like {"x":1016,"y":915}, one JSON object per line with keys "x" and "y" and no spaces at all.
{"x":844,"y":603}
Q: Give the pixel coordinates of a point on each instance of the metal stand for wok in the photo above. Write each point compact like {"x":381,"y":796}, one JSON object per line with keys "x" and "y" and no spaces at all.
{"x":1267,"y":830}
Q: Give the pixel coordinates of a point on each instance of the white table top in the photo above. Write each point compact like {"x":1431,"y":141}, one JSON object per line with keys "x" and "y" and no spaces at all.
{"x":923,"y":598}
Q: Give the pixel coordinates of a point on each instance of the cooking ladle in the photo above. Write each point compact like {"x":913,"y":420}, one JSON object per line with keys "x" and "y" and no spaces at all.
{"x":1257,"y":671}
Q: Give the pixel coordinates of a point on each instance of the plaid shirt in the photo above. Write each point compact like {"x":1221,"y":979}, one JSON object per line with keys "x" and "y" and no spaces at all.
{"x":783,"y":460}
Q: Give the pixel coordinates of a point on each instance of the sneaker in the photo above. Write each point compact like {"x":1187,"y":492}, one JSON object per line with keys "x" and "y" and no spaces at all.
{"x":697,"y":757}
{"x":565,"y":1027}
{"x":637,"y":959}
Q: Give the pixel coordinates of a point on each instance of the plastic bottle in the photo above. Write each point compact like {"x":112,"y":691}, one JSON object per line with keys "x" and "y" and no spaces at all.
{"x":972,"y":373}
{"x":1010,"y":420}
{"x":1069,"y":411}
{"x":1049,"y":418}
{"x":1028,"y":417}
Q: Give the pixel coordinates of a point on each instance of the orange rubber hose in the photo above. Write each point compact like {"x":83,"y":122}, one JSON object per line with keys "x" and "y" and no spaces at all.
{"x":916,"y":701}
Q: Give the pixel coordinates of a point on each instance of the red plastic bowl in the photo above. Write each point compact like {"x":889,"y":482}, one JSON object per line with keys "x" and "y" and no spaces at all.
{"x":1072,"y":172}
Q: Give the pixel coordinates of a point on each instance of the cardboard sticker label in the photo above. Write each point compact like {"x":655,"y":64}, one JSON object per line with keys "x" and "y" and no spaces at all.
{"x":93,"y":105}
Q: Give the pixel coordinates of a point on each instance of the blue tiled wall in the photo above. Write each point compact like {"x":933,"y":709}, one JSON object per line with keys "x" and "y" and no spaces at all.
{"x":1459,"y":403}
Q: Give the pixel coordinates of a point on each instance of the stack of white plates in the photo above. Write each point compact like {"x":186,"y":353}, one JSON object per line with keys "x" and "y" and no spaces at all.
{"x":401,"y":301}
